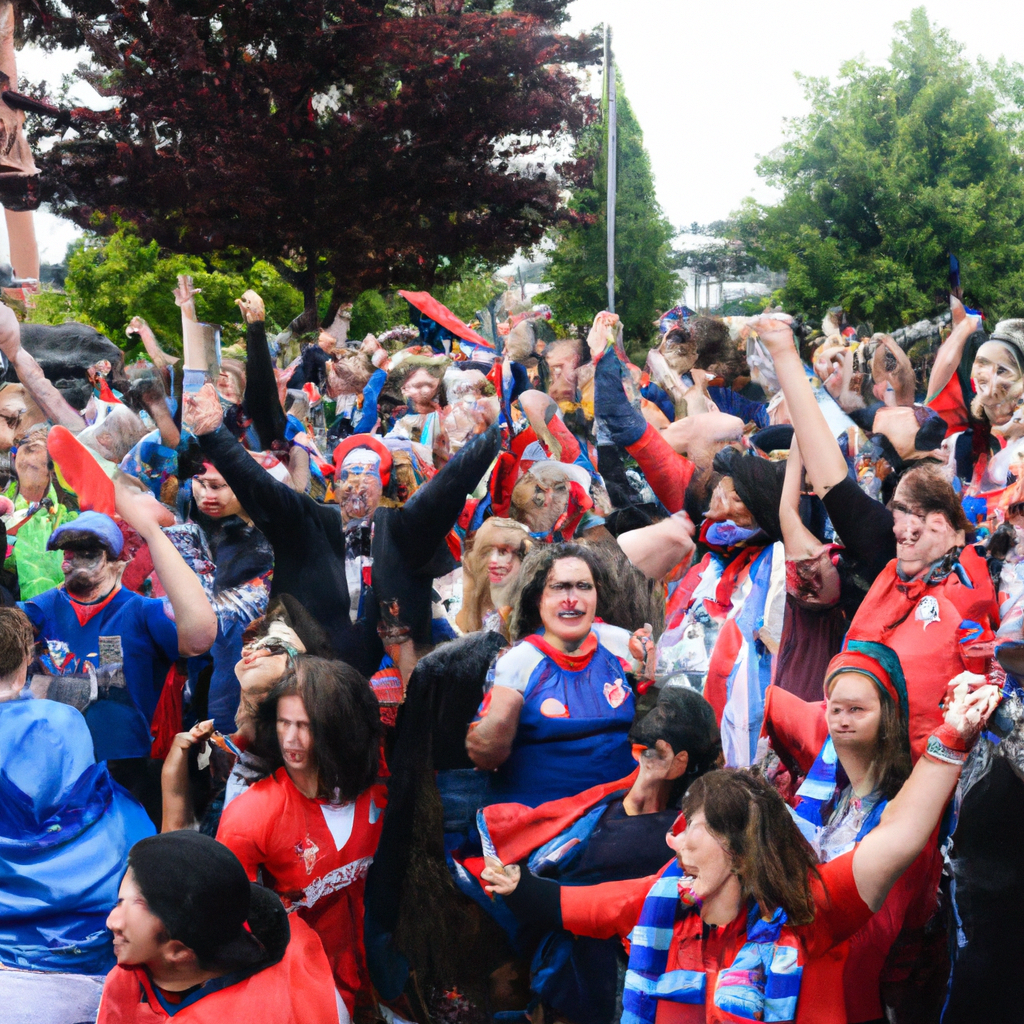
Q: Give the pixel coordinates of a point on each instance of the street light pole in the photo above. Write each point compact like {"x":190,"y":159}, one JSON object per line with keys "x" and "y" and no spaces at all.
{"x":609,"y":79}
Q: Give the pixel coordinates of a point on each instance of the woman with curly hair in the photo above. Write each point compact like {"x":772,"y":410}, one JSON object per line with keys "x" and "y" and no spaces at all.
{"x":558,"y":706}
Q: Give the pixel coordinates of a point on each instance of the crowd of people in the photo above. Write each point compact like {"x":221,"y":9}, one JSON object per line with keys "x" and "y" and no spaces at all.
{"x":438,"y":677}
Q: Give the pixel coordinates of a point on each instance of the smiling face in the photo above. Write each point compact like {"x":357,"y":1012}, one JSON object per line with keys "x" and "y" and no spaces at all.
{"x":921,"y":537}
{"x":568,"y":603}
{"x":502,"y":564}
{"x":294,"y":735}
{"x":854,"y":712}
{"x":997,"y":380}
{"x":213,"y":495}
{"x":139,"y":935}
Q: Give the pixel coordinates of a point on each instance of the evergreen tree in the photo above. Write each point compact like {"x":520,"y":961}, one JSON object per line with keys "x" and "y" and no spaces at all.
{"x":893,"y":169}
{"x":644,"y":278}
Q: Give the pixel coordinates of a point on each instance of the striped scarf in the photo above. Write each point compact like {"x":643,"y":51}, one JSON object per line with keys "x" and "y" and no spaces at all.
{"x":646,"y":980}
{"x":762,"y":982}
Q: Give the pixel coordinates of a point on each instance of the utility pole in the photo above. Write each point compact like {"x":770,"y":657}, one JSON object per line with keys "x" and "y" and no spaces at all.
{"x":609,"y":84}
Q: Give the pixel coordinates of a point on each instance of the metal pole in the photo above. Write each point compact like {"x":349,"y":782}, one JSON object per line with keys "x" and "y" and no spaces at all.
{"x":609,"y":77}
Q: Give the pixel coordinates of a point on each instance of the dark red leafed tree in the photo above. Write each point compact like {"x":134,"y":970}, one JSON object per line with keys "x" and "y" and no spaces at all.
{"x":366,"y":142}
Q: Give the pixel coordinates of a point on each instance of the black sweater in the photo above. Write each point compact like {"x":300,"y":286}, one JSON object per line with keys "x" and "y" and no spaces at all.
{"x":309,"y":541}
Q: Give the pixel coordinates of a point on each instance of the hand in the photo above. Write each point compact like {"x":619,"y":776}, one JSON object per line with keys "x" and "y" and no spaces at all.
{"x":139,"y":509}
{"x":644,"y":651}
{"x":185,"y":296}
{"x":10,"y":333}
{"x":137,"y":326}
{"x":251,"y":306}
{"x":484,"y":413}
{"x":197,"y":734}
{"x":203,"y":411}
{"x":957,"y":310}
{"x":602,"y":334}
{"x":370,"y":345}
{"x":775,"y":331}
{"x":503,"y":879}
{"x":967,"y":706}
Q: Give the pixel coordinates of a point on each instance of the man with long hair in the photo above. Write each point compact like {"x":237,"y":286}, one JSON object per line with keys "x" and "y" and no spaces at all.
{"x":313,"y":825}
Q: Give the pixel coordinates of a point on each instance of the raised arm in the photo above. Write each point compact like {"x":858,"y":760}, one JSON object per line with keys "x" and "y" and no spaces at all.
{"x":911,"y":816}
{"x":178,"y":810}
{"x":193,"y":615}
{"x":825,"y":464}
{"x":273,"y":506}
{"x":30,"y":373}
{"x":261,"y":400}
{"x":951,"y":351}
{"x":434,"y":509}
{"x":656,"y":550}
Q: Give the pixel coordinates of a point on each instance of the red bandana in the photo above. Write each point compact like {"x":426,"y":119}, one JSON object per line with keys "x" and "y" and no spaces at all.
{"x":85,"y":612}
{"x":574,"y":662}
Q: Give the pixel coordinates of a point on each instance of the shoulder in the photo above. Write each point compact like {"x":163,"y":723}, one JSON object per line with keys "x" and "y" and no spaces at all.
{"x":122,"y":997}
{"x":514,"y":667}
{"x":614,"y":639}
{"x":249,"y":810}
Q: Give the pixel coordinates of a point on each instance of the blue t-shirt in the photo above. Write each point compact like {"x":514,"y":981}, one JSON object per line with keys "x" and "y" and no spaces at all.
{"x":148,"y":640}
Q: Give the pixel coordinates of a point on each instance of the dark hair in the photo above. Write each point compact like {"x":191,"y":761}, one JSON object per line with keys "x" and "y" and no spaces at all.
{"x":344,"y":720}
{"x":771,"y":857}
{"x":891,"y":764}
{"x":289,"y":610}
{"x":17,"y":639}
{"x":533,"y":576}
{"x":930,"y":492}
{"x":685,"y":721}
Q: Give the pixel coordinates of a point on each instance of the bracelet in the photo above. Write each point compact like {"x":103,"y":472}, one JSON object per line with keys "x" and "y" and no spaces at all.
{"x":938,"y":751}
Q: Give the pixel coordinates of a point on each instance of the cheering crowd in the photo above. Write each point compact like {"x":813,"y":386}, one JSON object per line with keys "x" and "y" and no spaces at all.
{"x":438,"y":677}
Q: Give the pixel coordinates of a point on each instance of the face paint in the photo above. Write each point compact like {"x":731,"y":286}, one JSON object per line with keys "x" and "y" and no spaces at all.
{"x":357,"y":491}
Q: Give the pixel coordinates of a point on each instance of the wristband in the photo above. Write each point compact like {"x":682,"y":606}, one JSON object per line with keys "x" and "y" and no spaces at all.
{"x":936,"y":750}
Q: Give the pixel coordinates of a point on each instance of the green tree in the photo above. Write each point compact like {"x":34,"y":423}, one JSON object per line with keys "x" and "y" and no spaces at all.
{"x":893,"y":169}
{"x":111,"y":279}
{"x":644,"y":277}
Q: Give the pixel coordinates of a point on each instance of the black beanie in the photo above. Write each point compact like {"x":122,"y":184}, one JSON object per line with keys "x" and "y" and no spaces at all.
{"x":758,"y":483}
{"x":199,"y":890}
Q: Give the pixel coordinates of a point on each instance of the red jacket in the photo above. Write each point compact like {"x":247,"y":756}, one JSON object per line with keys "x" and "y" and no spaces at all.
{"x":924,"y":622}
{"x":298,"y":990}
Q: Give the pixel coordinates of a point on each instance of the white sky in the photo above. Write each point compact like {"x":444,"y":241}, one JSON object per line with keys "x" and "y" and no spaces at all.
{"x":710,"y":82}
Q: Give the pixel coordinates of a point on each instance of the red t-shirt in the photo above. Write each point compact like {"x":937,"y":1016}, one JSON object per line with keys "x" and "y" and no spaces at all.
{"x":315,"y":856}
{"x":298,"y":990}
{"x":614,"y":907}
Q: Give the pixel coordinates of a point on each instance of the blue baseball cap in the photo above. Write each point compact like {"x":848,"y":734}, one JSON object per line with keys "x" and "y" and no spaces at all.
{"x":101,"y":526}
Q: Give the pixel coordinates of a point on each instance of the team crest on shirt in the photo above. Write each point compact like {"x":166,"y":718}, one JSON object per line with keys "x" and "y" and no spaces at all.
{"x":615,"y":693}
{"x":927,"y":611}
{"x":307,"y":850}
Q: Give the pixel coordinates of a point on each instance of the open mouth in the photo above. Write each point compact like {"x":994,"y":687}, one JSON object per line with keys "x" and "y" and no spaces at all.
{"x":497,"y":575}
{"x":570,"y":616}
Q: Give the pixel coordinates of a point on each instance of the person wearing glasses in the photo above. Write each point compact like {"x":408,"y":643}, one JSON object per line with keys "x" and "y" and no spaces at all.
{"x":310,"y":829}
{"x":558,"y":706}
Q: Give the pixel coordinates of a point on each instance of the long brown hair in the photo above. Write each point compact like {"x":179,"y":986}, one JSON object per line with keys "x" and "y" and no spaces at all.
{"x":474,"y":562}
{"x":771,"y":858}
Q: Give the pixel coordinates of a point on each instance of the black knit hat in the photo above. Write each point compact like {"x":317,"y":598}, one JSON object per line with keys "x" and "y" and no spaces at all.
{"x":199,"y":890}
{"x":758,"y":483}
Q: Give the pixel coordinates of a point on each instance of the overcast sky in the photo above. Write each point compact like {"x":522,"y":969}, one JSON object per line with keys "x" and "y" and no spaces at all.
{"x":711,"y":82}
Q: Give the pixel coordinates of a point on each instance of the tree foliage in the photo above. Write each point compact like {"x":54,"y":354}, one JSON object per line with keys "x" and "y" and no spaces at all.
{"x":644,"y":277}
{"x":364,"y":142}
{"x":892,"y":169}
{"x":111,"y":279}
